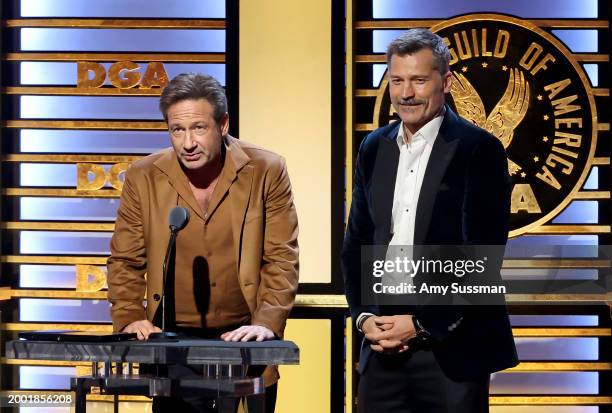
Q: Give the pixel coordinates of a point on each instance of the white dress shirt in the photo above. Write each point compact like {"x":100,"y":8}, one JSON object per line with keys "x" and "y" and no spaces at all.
{"x":413,"y":159}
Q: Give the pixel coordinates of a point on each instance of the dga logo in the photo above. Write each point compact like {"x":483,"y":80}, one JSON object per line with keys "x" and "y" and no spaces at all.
{"x":523,"y":86}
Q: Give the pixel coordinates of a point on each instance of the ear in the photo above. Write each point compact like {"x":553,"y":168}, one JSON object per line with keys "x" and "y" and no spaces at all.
{"x":224,"y":124}
{"x":447,"y":81}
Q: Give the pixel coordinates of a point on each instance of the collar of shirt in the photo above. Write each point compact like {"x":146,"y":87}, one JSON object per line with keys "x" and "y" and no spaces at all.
{"x":429,"y":131}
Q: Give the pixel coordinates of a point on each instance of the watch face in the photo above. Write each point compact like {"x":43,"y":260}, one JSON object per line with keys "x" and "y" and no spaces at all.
{"x":417,"y":325}
{"x":421,"y":335}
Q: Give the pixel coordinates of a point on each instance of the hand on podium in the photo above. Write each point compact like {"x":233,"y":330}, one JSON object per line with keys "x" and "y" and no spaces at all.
{"x":248,"y":333}
{"x":142,"y":328}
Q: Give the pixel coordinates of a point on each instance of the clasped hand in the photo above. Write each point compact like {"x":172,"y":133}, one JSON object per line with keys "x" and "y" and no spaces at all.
{"x":389,"y":334}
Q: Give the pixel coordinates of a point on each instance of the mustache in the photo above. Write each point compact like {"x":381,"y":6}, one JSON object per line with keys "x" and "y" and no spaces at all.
{"x":410,"y":102}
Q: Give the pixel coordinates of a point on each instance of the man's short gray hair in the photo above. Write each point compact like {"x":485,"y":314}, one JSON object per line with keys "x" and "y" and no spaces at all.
{"x":415,"y":40}
{"x":194,"y":86}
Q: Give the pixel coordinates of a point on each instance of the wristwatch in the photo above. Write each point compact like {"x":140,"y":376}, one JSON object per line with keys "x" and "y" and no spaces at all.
{"x":422,"y":335}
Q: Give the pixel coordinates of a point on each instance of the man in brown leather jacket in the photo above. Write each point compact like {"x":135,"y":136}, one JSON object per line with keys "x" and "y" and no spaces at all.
{"x":235,"y":271}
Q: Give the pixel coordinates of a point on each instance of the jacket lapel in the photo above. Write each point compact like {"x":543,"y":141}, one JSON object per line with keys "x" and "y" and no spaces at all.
{"x":239,"y":184}
{"x":442,"y":152}
{"x":383,"y":182}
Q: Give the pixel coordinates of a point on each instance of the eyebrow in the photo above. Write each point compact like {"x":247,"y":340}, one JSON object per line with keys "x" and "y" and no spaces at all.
{"x":201,"y":122}
{"x":410,"y":77}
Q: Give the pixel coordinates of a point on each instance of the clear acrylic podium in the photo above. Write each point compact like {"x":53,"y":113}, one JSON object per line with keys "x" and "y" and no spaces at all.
{"x":224,"y":367}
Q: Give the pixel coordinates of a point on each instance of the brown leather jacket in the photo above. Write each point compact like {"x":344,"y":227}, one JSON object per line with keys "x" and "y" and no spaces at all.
{"x":264,"y":226}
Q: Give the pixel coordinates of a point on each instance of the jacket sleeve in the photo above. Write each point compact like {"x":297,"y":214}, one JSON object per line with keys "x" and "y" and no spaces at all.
{"x":485,"y":220}
{"x":127,"y":263}
{"x":280,"y":264}
{"x":359,"y":231}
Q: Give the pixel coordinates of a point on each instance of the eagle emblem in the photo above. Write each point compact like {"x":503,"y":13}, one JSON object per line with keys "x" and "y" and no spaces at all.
{"x":505,"y":116}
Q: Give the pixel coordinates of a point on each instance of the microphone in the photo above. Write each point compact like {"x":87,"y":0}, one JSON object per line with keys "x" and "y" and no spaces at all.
{"x":177,"y":220}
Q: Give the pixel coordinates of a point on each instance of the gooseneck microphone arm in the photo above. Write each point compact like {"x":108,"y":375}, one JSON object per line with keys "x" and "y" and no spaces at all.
{"x":178,"y":219}
{"x":171,"y":243}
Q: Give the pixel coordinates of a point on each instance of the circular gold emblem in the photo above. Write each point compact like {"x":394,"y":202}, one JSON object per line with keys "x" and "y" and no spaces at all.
{"x":522,"y":85}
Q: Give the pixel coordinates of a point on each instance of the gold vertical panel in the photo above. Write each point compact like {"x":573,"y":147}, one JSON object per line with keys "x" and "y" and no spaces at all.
{"x":348,"y":366}
{"x":285,"y":106}
{"x":349,"y":110}
{"x":306,"y":388}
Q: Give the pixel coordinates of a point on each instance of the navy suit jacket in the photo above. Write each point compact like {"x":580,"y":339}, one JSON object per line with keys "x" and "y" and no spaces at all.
{"x":464,"y":200}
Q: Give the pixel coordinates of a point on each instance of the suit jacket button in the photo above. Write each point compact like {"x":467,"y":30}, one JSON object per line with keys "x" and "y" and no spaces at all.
{"x":156,"y":297}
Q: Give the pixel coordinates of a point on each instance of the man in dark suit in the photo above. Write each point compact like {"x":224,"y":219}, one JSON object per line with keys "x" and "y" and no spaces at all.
{"x":430,"y":179}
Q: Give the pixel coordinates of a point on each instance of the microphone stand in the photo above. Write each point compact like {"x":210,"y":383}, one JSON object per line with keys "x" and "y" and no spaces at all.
{"x":166,"y":335}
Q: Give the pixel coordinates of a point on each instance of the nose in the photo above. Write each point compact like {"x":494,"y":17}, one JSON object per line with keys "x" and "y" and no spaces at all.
{"x":407,"y":91}
{"x":189,"y":142}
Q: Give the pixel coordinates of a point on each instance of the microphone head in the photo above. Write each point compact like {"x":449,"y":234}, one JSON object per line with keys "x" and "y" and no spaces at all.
{"x":178,"y":218}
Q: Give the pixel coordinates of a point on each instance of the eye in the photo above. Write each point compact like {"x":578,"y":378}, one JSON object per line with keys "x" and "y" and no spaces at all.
{"x":176,"y":130}
{"x":396,"y":81}
{"x":199,"y":129}
{"x":420,"y":80}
